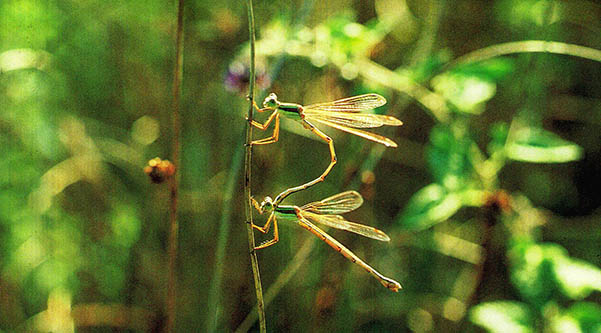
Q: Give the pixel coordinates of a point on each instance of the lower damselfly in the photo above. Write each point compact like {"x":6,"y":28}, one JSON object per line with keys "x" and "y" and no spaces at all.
{"x":325,"y":212}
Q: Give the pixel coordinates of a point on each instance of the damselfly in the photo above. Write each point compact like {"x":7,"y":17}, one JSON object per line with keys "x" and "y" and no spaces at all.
{"x":343,"y":114}
{"x":325,"y":212}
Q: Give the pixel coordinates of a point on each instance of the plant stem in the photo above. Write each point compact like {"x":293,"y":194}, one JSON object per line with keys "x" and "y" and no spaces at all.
{"x":247,"y":174}
{"x":528,"y":46}
{"x":432,"y":101}
{"x":174,"y":181}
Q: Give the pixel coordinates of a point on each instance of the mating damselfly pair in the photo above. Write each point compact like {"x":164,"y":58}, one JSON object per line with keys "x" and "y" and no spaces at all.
{"x":343,"y":114}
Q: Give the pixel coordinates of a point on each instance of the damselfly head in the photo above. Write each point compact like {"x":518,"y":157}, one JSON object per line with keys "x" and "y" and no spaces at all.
{"x":267,"y":204}
{"x":271,"y":101}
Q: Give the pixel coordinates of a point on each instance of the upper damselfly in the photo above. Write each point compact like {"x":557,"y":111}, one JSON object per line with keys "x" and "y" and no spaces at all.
{"x":343,"y":114}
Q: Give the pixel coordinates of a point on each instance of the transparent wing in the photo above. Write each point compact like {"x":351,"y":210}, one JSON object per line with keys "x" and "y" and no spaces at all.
{"x":366,"y":135}
{"x":357,"y":120}
{"x":337,"y":204}
{"x":350,"y":104}
{"x":338,"y":222}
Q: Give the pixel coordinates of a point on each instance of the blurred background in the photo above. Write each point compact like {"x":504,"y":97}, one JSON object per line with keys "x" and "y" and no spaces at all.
{"x":491,"y":199}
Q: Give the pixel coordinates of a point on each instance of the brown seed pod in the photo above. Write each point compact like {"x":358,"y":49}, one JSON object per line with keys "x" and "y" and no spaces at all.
{"x":158,"y":170}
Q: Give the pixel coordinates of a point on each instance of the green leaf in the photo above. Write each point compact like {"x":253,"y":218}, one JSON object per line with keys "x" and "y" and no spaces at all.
{"x":429,"y":66}
{"x":491,"y":70}
{"x":502,"y":316}
{"x":564,"y":324}
{"x":537,"y":145}
{"x":448,"y":156}
{"x":467,"y":93}
{"x":430,"y":205}
{"x":540,"y":269}
{"x":469,"y":86}
{"x":498,"y":137}
{"x":588,"y":316}
{"x":576,"y":278}
{"x":532,"y":271}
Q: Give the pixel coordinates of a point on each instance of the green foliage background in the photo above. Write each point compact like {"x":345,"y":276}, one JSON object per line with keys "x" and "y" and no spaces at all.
{"x":491,"y":200}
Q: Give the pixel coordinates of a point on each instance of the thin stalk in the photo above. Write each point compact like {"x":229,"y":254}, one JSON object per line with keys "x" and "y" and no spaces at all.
{"x":214,"y":301}
{"x":425,"y":43}
{"x":247,"y":174}
{"x":433,"y":102}
{"x":174,"y":181}
{"x":528,"y":46}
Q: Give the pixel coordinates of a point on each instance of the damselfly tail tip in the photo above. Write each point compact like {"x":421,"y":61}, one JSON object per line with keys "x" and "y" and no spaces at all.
{"x":381,"y":235}
{"x":393,"y":285}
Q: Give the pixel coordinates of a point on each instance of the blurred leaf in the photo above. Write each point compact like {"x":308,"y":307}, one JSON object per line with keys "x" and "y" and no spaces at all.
{"x":125,"y":224}
{"x":498,"y":136}
{"x":564,"y":324}
{"x":577,"y":278}
{"x":53,"y":273}
{"x":341,"y":39}
{"x":525,"y":14}
{"x":588,"y":316}
{"x":540,"y":269}
{"x":31,"y":23}
{"x":428,"y":67}
{"x":345,"y":37}
{"x":448,"y":156}
{"x":502,"y":316}
{"x":23,"y":59}
{"x":468,"y":87}
{"x":430,"y":205}
{"x":537,"y":145}
{"x":532,"y":271}
{"x":490,"y":70}
{"x":467,"y":93}
{"x":29,"y":97}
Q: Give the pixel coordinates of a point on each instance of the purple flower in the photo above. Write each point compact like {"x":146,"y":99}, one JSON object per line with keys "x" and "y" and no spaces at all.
{"x":238,"y":75}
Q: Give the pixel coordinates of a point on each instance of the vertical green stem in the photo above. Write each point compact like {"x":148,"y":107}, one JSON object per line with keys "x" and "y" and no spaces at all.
{"x":174,"y":182}
{"x":247,"y":174}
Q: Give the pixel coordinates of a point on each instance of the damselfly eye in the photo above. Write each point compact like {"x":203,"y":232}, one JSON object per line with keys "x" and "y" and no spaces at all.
{"x":267,"y":204}
{"x":271,"y":101}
